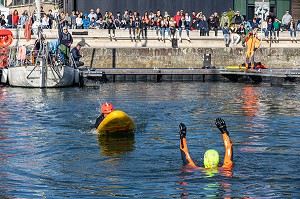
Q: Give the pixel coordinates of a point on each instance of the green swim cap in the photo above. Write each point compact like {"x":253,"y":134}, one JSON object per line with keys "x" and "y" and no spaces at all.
{"x":211,"y":158}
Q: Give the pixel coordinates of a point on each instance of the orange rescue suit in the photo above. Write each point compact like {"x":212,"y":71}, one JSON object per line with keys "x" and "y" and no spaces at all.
{"x":252,"y":43}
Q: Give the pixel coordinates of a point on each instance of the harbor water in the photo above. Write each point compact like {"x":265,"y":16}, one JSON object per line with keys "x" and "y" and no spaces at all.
{"x":49,"y":148}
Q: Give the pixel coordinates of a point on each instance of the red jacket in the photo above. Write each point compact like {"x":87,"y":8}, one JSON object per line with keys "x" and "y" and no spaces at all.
{"x":15,"y":19}
{"x":177,"y":18}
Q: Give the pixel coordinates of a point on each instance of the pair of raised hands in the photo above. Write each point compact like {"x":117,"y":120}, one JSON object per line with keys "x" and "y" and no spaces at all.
{"x":220,"y":123}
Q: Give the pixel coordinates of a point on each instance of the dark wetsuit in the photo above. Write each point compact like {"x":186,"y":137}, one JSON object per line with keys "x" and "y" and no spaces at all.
{"x":99,"y":120}
{"x":187,"y":160}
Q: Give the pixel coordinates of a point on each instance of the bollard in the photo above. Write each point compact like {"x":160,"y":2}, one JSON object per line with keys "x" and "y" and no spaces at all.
{"x":174,"y":43}
{"x":206,"y":61}
{"x":113,"y":58}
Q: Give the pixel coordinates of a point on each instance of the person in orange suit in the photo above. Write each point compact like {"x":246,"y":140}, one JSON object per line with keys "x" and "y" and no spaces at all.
{"x":252,"y":44}
{"x":211,"y":157}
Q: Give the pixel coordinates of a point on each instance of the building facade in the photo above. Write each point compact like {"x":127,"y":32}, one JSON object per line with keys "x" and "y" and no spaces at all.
{"x":247,"y":7}
{"x":171,"y":6}
{"x":14,"y":3}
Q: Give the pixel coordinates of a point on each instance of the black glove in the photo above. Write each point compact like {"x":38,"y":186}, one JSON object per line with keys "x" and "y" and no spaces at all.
{"x":220,"y":123}
{"x":182,"y":131}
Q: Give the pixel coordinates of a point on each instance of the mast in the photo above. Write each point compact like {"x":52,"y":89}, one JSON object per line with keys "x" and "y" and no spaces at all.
{"x":42,"y":56}
{"x":37,"y":22}
{"x":38,"y":10}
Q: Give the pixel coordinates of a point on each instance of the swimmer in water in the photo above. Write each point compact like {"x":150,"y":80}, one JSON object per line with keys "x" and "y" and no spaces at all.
{"x":211,"y":156}
{"x":106,"y":109}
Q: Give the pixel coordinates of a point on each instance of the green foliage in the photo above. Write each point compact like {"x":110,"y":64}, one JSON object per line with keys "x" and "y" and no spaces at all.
{"x":230,"y":14}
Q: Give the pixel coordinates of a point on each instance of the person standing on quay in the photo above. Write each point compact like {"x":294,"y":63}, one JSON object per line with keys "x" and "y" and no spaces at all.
{"x":65,"y":43}
{"x":252,"y":44}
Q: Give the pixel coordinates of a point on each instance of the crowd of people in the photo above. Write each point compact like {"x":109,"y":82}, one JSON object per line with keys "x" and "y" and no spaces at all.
{"x":234,"y":30}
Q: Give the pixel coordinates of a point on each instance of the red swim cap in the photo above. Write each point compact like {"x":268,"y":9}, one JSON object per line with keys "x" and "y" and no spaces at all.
{"x":107,"y":108}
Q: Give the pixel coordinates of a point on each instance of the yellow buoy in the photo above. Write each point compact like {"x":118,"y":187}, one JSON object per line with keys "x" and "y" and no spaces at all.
{"x":115,"y":123}
{"x":235,"y":67}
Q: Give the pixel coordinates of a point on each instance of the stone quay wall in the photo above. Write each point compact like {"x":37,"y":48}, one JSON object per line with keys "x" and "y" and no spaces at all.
{"x":101,"y":52}
{"x":186,"y":57}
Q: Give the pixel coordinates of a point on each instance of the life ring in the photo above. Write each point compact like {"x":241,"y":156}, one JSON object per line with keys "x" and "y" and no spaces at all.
{"x":27,"y":30}
{"x":3,"y":51}
{"x":6,"y":40}
{"x":4,"y":32}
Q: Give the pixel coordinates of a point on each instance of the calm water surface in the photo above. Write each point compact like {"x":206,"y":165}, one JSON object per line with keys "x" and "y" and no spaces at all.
{"x":49,"y":149}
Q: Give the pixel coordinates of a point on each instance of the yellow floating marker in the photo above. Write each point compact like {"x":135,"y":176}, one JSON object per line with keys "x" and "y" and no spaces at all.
{"x":116,"y":122}
{"x":235,"y":67}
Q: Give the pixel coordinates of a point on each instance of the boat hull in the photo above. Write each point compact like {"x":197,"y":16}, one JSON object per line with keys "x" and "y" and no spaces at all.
{"x":30,"y":76}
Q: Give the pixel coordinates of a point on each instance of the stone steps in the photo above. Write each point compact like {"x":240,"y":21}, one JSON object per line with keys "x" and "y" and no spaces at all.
{"x":99,"y":39}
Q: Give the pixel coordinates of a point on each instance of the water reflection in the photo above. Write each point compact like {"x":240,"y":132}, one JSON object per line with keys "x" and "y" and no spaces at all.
{"x":213,"y":190}
{"x":212,"y":183}
{"x":3,"y":107}
{"x":206,"y":189}
{"x":117,"y":144}
{"x":210,"y":172}
{"x":250,"y":99}
{"x":46,"y":141}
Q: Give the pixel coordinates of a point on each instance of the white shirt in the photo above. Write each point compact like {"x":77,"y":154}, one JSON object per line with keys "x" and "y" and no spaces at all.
{"x":45,"y":21}
{"x":91,"y":15}
{"x":188,"y":18}
{"x":78,"y":21}
{"x":286,"y":18}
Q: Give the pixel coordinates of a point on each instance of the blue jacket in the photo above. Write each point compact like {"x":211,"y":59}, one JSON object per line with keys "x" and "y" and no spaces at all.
{"x":225,"y":30}
{"x":254,"y":25}
{"x":94,"y":24}
{"x":270,"y":26}
{"x":86,"y":23}
{"x":202,"y":24}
